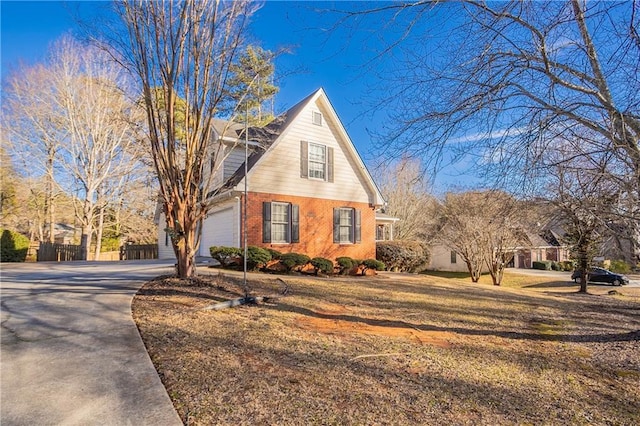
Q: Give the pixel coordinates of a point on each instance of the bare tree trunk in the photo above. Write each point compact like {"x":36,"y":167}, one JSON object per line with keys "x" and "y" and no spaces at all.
{"x":583,"y":261}
{"x":99,"y":230}
{"x":87,"y":228}
{"x":474,"y":271}
{"x":49,"y":195}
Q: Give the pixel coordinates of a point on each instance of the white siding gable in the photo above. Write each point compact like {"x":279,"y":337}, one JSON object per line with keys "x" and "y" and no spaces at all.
{"x":278,"y":171}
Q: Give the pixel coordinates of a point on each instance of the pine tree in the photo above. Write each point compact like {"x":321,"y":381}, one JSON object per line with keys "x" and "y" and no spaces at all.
{"x":251,"y":85}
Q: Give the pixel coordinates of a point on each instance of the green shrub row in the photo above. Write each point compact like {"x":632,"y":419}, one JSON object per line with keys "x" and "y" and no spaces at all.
{"x":550,"y":265}
{"x":13,"y":246}
{"x":258,"y":258}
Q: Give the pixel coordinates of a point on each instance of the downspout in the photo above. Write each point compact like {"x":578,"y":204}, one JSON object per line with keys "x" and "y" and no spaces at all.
{"x":239,"y":216}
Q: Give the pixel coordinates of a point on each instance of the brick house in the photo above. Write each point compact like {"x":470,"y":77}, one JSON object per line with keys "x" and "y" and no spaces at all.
{"x":308,"y":190}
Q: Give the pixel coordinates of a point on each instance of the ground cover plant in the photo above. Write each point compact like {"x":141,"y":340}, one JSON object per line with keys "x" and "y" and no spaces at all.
{"x":394,"y":349}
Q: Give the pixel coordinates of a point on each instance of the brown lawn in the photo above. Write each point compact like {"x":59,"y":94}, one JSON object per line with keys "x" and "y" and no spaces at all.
{"x":395,"y":349}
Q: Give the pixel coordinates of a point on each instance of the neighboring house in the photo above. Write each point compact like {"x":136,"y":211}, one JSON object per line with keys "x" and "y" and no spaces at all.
{"x":442,"y":258}
{"x":64,"y":233}
{"x":308,"y":189}
{"x":543,"y":246}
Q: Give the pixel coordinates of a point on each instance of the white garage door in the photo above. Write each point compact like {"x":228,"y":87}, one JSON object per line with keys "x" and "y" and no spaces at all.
{"x":218,"y":230}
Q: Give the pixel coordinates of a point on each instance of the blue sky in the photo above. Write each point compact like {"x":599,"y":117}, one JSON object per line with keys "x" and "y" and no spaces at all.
{"x":335,"y":60}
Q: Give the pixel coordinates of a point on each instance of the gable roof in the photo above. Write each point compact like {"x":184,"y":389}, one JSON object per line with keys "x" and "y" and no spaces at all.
{"x":269,"y":135}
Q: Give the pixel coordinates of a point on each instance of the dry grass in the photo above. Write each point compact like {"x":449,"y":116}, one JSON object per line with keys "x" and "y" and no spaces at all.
{"x":394,"y":349}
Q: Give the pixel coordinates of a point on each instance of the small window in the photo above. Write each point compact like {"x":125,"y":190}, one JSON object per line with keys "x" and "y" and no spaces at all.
{"x":454,"y":258}
{"x":317,"y":161}
{"x":279,"y":223}
{"x":316,"y":118}
{"x":346,"y":225}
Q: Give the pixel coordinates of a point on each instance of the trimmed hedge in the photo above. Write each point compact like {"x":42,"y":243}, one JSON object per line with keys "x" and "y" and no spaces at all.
{"x":543,"y":265}
{"x":257,"y":257}
{"x":13,"y":246}
{"x":226,"y":255}
{"x":275,"y":254}
{"x":374,"y":264}
{"x":293,"y":260}
{"x":403,"y":256}
{"x":566,"y":265}
{"x":323,"y":265}
{"x":346,"y":264}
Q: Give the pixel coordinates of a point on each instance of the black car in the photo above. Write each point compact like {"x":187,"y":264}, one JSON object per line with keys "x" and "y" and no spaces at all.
{"x":601,"y":275}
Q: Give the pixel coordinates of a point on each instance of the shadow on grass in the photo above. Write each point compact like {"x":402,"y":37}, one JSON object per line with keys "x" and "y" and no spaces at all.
{"x":449,"y":275}
{"x":518,"y":335}
{"x":554,"y":284}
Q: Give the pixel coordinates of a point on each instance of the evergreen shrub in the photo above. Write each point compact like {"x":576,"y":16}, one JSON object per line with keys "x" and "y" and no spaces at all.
{"x":13,"y":246}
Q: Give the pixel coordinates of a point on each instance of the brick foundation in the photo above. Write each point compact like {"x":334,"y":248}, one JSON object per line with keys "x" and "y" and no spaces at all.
{"x":316,"y":227}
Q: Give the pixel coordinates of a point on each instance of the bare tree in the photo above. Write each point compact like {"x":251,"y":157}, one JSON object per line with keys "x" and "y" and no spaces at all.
{"x":73,"y":117}
{"x":484,"y":228}
{"x":182,"y":52}
{"x":508,"y":78}
{"x":407,"y":194}
{"x":588,"y":201}
{"x":33,"y":132}
{"x":97,"y":111}
{"x":503,"y":227}
{"x":462,"y":229}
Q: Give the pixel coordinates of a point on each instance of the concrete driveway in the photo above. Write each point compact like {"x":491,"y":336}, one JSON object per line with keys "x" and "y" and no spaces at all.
{"x":634,"y":280}
{"x":70,"y":351}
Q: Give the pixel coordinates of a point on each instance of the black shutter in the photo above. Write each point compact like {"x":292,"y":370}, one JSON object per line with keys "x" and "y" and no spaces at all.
{"x":336,"y":225}
{"x":357,"y":228}
{"x":266,"y":222}
{"x":330,"y":164}
{"x":295,"y":223}
{"x":304,"y":159}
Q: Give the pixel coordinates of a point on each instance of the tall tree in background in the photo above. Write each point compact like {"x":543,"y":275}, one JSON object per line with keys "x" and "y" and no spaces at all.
{"x":73,"y":116}
{"x":407,"y":194}
{"x":251,"y":85}
{"x":586,"y":199}
{"x":99,"y":115}
{"x":183,"y":51}
{"x":31,"y":124}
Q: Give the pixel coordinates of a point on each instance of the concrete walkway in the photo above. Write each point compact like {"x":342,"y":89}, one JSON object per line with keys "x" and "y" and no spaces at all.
{"x":70,"y":351}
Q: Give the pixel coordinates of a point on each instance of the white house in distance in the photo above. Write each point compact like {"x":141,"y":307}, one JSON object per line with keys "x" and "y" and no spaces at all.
{"x":308,"y":189}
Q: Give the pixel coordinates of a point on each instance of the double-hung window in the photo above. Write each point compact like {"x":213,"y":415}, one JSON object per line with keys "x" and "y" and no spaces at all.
{"x":280,"y":223}
{"x":346,"y":225}
{"x":317,"y":161}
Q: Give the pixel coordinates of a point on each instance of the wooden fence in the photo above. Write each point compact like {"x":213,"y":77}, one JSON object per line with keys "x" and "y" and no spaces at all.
{"x":136,"y":252}
{"x":48,"y":252}
{"x":54,"y":252}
